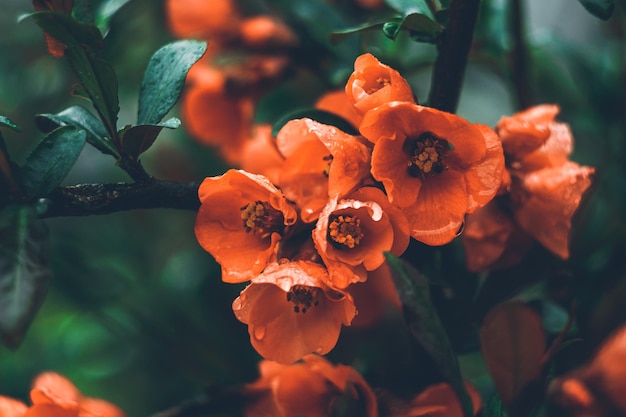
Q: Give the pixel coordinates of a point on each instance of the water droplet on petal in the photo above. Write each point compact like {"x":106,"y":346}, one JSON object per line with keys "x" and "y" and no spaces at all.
{"x":259,"y":332}
{"x":319,"y":350}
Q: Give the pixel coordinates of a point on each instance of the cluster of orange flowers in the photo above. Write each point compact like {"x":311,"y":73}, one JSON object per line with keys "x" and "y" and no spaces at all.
{"x":319,"y":229}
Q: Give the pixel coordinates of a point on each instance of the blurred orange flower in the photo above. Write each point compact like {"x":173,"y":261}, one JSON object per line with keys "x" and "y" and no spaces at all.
{"x":373,"y":83}
{"x":212,"y":115}
{"x":544,"y":191}
{"x":54,"y":395}
{"x":439,"y":401}
{"x":311,"y":387}
{"x":260,"y":155}
{"x":436,"y":166}
{"x":290,"y":312}
{"x":266,"y":32}
{"x":201,"y":19}
{"x":242,"y":218}
{"x":597,"y":388}
{"x":353,"y":233}
{"x":321,"y":161}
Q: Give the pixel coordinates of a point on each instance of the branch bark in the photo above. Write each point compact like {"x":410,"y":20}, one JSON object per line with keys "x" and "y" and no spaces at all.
{"x":519,"y":56}
{"x":453,"y":49}
{"x":92,"y":199}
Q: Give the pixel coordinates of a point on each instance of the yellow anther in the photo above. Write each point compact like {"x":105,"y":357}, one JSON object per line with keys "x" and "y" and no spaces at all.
{"x":346,"y":231}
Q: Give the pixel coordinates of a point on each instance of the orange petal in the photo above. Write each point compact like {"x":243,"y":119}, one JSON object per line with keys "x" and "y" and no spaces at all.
{"x":337,"y":102}
{"x":437,"y":215}
{"x":375,"y":298}
{"x":94,"y":407}
{"x":259,"y":154}
{"x":547,"y":200}
{"x":201,"y":19}
{"x":10,"y":407}
{"x":53,"y":388}
{"x":50,"y":410}
{"x":441,"y":401}
{"x":266,"y":32}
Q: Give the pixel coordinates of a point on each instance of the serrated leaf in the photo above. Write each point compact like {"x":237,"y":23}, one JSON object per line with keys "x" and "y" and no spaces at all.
{"x":602,"y":9}
{"x":137,"y":139}
{"x":164,"y":79}
{"x":339,"y":35}
{"x":24,"y":272}
{"x":51,"y":160}
{"x":96,"y":76}
{"x":78,"y":116}
{"x":513,"y":344}
{"x":425,"y":326}
{"x":321,"y":116}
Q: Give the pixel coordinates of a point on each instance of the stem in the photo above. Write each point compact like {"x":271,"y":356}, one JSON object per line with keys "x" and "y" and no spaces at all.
{"x":453,"y":52}
{"x":92,"y":199}
{"x":519,"y":56}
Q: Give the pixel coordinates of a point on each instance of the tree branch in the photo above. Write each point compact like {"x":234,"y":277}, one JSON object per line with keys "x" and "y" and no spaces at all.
{"x":519,"y":56}
{"x":91,"y":199}
{"x":453,"y":52}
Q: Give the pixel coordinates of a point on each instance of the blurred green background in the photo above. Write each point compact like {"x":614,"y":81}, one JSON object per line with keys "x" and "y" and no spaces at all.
{"x":136,"y":312}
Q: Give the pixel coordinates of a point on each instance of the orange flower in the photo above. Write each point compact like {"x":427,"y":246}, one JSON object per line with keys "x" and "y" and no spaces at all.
{"x":259,"y":154}
{"x":211,"y":115}
{"x":597,"y":388}
{"x":373,"y":83}
{"x":240,"y":222}
{"x":55,"y":395}
{"x":290,"y":312}
{"x":321,"y":162}
{"x":439,"y":401}
{"x":312,"y":387}
{"x":202,"y":19}
{"x":352,"y":234}
{"x":337,"y":102}
{"x":266,"y":32}
{"x":434,"y":165}
{"x":545,"y":190}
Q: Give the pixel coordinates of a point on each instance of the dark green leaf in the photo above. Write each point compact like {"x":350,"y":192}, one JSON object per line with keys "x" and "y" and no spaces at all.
{"x":4,"y":121}
{"x":391,"y":30}
{"x":425,"y":326}
{"x":106,"y":11}
{"x":78,"y":116}
{"x":83,"y":12}
{"x":408,"y":7}
{"x":602,"y":9}
{"x":52,"y":159}
{"x":137,"y":139}
{"x":96,"y":76}
{"x":494,"y":407}
{"x":24,"y":272}
{"x":321,"y":116}
{"x":164,"y":79}
{"x":339,"y":35}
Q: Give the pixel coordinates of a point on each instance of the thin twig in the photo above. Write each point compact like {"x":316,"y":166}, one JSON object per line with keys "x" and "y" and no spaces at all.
{"x":454,"y":49}
{"x":519,"y":56}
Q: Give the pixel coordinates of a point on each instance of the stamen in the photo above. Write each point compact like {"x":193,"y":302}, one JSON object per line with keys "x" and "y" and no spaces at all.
{"x":303,"y":298}
{"x":329,"y":160}
{"x":262,"y":219}
{"x":427,"y":155}
{"x":345,"y":231}
{"x":380,"y":83}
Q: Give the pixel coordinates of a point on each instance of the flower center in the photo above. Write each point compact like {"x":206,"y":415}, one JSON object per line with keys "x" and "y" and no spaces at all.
{"x":427,"y":155}
{"x":380,"y":83}
{"x":303,"y":298}
{"x":345,"y":231}
{"x":261,"y":219}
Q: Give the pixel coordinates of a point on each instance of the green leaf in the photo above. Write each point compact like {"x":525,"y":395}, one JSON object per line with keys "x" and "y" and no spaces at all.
{"x":106,"y":11}
{"x":5,"y":160}
{"x":24,"y":272}
{"x":421,"y":28}
{"x":602,"y":9}
{"x":164,"y":79}
{"x":425,"y":326}
{"x":51,"y":160}
{"x":339,"y":35}
{"x":96,"y":76}
{"x":321,"y":116}
{"x":83,"y":12}
{"x":408,"y":7}
{"x":4,"y":121}
{"x":494,"y":407}
{"x":78,"y":116}
{"x":137,"y":139}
